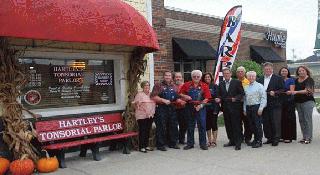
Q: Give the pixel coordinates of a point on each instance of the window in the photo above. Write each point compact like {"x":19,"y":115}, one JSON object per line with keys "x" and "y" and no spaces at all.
{"x":57,"y":83}
{"x":73,"y":82}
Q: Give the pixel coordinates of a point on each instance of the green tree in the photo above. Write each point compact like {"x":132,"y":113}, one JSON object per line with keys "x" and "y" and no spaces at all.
{"x":248,"y":65}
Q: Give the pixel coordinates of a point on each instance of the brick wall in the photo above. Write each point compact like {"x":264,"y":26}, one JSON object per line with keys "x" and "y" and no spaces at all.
{"x":169,"y":22}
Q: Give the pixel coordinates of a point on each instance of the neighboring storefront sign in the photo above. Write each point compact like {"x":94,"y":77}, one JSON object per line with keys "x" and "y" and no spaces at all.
{"x":279,"y":39}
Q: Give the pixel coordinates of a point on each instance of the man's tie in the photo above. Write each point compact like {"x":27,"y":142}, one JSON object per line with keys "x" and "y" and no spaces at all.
{"x":227,"y":84}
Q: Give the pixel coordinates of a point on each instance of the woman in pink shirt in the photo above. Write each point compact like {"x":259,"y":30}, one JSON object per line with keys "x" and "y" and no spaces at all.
{"x":145,"y":109}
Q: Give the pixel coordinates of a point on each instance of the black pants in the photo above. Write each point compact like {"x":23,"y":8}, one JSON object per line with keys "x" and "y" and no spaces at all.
{"x":288,"y":121}
{"x":272,"y":122}
{"x":182,"y":120}
{"x":255,"y":122}
{"x":231,"y":114}
{"x":166,"y":120}
{"x":144,"y":131}
{"x":245,"y":126}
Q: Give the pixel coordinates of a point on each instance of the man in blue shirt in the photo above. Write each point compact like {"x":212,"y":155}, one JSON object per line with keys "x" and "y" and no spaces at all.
{"x":254,"y":101}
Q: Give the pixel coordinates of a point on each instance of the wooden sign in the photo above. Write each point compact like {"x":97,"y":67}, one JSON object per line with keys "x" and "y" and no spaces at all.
{"x":78,"y":127}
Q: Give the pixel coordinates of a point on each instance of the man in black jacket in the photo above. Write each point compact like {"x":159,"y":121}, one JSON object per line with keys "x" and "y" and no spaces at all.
{"x":230,"y":93}
{"x":274,"y":86}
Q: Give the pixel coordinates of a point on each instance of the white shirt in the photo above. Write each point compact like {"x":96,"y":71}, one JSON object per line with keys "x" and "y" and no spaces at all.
{"x":266,"y":82}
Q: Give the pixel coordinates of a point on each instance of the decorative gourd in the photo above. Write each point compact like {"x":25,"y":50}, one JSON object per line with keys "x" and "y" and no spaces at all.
{"x":23,"y":166}
{"x":47,"y":164}
{"x":4,"y":165}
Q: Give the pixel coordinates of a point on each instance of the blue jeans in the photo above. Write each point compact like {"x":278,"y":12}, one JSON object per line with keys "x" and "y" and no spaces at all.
{"x":194,"y":116}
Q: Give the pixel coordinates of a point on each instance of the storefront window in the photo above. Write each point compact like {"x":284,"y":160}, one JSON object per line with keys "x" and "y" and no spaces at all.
{"x":55,"y":83}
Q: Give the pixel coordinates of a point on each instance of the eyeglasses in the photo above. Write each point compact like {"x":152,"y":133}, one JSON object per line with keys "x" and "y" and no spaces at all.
{"x":196,"y":76}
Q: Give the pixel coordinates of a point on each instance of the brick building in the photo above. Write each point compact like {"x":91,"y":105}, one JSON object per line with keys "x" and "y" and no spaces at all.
{"x":188,"y":41}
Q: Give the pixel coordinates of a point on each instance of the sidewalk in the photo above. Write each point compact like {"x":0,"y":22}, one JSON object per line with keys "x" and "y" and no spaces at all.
{"x":286,"y":159}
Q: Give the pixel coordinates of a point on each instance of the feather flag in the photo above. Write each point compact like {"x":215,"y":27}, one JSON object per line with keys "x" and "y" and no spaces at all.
{"x":230,"y":36}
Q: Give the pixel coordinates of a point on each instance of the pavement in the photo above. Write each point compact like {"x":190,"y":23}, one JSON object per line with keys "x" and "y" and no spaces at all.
{"x":285,"y":159}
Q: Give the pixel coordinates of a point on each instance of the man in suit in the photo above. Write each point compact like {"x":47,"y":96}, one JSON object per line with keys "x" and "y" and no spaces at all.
{"x":230,"y":93}
{"x":271,"y":117}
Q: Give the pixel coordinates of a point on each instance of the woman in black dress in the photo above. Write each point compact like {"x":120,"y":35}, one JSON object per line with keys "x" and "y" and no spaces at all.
{"x":288,"y":117}
{"x":212,"y":111}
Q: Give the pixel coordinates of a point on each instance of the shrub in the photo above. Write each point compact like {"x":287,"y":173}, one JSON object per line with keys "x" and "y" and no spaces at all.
{"x":249,"y":65}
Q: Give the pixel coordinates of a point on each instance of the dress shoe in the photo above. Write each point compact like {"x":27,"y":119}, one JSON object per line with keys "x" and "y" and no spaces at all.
{"x":149,"y":148}
{"x":162,"y":148}
{"x":275,"y":143}
{"x":237,"y":148}
{"x":204,"y":147}
{"x":268,"y":141}
{"x":143,"y":150}
{"x":256,"y":145}
{"x":248,"y":142}
{"x":228,"y":144}
{"x":174,"y":147}
{"x":188,"y":147}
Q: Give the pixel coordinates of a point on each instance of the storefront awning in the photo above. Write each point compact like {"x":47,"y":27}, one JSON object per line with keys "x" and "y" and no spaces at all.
{"x":192,"y":49}
{"x":262,"y":54}
{"x":110,"y":22}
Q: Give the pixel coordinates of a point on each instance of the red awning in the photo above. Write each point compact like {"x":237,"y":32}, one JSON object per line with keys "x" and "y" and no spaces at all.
{"x":110,"y":22}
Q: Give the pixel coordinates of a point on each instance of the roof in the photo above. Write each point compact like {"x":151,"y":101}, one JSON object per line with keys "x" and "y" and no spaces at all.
{"x":110,"y":22}
{"x":192,"y":49}
{"x":263,"y":54}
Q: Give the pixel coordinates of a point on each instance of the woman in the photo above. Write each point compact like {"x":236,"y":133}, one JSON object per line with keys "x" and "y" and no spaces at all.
{"x":303,"y":97}
{"x":145,"y":109}
{"x":288,"y":117}
{"x":212,"y":110}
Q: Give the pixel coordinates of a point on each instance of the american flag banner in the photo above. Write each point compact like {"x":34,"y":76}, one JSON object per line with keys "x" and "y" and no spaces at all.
{"x":230,"y":36}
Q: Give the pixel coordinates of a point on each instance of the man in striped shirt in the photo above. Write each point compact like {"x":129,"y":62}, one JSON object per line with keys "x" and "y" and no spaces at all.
{"x":254,"y":101}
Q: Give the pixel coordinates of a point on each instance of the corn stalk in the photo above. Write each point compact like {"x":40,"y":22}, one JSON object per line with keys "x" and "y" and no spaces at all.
{"x":137,"y":67}
{"x":16,"y":134}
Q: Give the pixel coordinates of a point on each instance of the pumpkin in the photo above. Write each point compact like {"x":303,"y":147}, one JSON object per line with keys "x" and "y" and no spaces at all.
{"x":23,"y":166}
{"x":4,"y":165}
{"x":47,"y":164}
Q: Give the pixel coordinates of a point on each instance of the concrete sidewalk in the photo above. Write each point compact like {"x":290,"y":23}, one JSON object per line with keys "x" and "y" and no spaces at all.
{"x":286,"y":159}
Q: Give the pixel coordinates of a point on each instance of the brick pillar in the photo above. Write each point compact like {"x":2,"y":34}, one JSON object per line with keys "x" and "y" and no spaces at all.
{"x":161,"y":60}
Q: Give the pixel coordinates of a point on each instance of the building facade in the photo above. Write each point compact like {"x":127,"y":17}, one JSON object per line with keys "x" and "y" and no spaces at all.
{"x":188,"y":41}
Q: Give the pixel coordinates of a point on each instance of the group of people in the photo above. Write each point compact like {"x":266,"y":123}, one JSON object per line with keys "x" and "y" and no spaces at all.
{"x":251,"y":108}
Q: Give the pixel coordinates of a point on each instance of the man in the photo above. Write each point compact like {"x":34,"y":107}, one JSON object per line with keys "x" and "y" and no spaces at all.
{"x":271,"y":117}
{"x":196,"y":93}
{"x":230,"y":94}
{"x":254,"y":101}
{"x":164,"y":94}
{"x":180,"y":110}
{"x":247,"y":133}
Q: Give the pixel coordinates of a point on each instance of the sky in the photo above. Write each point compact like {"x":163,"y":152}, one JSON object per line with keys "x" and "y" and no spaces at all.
{"x":298,"y":17}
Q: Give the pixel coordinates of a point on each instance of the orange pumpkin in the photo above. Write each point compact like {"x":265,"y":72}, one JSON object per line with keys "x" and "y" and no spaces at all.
{"x":23,"y":166}
{"x":47,"y":164}
{"x":4,"y":165}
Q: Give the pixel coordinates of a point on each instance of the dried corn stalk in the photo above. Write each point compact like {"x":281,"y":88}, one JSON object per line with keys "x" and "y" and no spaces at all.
{"x":136,"y":69}
{"x":16,"y":134}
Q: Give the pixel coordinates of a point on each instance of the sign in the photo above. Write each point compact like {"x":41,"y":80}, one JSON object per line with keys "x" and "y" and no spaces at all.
{"x":69,"y":92}
{"x":77,"y":127}
{"x":68,"y":74}
{"x":230,"y":36}
{"x":102,"y":79}
{"x":278,"y":39}
{"x":34,"y":78}
{"x":32,"y":97}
